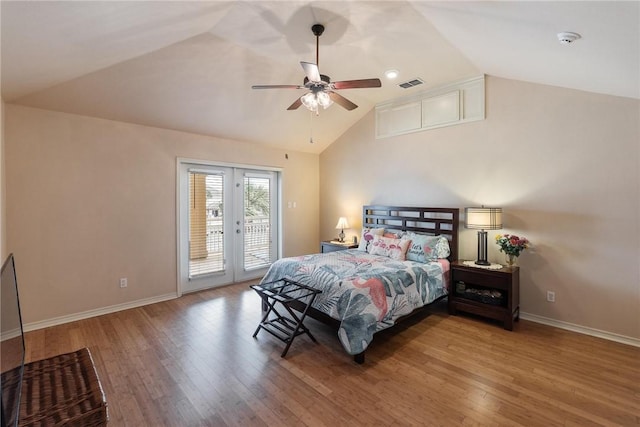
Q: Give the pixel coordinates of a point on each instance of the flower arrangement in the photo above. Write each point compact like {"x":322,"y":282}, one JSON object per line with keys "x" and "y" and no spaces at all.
{"x":511,"y":244}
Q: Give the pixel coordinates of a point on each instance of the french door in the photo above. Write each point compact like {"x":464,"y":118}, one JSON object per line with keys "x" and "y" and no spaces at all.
{"x":228,"y":224}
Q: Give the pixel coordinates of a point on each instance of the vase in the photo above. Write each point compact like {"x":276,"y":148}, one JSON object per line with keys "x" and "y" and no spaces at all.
{"x":511,"y":260}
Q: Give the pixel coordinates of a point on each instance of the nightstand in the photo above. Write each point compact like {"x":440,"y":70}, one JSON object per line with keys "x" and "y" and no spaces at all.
{"x":490,"y":293}
{"x":333,"y":245}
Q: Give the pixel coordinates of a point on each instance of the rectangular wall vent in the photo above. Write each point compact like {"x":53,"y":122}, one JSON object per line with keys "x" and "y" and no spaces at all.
{"x":411,"y":83}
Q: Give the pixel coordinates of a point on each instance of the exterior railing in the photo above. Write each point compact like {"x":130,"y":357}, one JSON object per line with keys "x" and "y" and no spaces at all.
{"x":257,"y":239}
{"x":257,"y":232}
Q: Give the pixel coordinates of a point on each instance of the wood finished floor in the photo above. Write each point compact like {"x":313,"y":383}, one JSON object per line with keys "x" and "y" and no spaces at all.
{"x":193,"y":362}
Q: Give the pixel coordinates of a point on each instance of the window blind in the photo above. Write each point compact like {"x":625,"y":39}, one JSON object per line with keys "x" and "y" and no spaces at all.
{"x":206,"y":223}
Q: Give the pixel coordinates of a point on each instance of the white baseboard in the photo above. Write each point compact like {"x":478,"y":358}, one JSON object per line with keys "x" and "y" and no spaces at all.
{"x":139,"y":303}
{"x":97,"y":312}
{"x":581,"y":329}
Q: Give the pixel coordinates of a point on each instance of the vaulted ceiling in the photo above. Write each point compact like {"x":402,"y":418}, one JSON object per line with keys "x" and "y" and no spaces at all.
{"x":189,"y":66}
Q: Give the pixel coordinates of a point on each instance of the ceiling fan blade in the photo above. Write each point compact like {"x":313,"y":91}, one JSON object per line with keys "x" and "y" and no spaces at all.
{"x":357,"y":84}
{"x":277,"y":87}
{"x":342,"y":101}
{"x":296,"y":104}
{"x":311,"y":70}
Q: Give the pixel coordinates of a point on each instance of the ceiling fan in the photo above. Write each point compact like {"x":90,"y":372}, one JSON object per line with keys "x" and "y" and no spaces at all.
{"x":321,"y":88}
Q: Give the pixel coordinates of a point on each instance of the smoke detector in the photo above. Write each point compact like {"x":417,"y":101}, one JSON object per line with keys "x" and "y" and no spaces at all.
{"x":568,"y":37}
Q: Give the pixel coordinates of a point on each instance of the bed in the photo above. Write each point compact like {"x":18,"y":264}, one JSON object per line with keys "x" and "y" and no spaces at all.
{"x":400,"y":267}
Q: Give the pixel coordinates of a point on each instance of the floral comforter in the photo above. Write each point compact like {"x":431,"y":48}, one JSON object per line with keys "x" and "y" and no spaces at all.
{"x":366,"y":293}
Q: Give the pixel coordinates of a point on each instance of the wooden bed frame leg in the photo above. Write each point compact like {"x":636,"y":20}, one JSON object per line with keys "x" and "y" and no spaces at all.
{"x":359,"y":358}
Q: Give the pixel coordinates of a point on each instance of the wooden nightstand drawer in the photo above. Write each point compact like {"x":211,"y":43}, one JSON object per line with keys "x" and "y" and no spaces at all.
{"x":477,"y":278}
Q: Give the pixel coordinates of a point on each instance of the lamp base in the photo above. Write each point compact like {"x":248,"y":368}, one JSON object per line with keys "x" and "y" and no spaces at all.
{"x":341,"y":236}
{"x":482,"y":248}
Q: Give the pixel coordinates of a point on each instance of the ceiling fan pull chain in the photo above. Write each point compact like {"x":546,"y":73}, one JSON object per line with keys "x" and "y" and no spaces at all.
{"x":310,"y":127}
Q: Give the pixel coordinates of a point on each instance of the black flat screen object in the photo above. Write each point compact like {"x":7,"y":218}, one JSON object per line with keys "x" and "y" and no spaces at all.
{"x":12,"y":348}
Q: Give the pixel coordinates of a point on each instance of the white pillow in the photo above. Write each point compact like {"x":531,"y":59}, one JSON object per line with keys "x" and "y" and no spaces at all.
{"x":367,"y":237}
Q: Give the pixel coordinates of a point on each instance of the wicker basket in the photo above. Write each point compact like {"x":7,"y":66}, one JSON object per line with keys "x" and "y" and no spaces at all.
{"x":62,"y":390}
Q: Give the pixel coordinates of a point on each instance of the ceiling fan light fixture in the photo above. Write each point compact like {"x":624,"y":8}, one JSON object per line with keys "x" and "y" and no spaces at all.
{"x":324,"y":100}
{"x":313,"y":100}
{"x":310,"y":101}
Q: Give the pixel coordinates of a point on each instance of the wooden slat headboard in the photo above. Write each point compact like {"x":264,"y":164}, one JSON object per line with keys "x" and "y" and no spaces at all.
{"x":434,"y":221}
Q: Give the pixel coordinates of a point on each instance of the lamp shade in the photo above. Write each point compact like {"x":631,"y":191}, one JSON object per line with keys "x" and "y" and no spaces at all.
{"x":483,"y":218}
{"x":342,"y":223}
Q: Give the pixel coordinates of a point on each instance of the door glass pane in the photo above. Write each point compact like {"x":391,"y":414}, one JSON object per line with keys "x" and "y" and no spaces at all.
{"x":206,"y":223}
{"x":257,"y":222}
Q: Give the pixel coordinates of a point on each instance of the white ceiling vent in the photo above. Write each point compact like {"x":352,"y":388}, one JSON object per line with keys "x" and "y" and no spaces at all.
{"x":411,"y":83}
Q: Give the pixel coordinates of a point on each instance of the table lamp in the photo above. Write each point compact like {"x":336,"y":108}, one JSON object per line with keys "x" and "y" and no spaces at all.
{"x":342,"y":224}
{"x":482,"y":219}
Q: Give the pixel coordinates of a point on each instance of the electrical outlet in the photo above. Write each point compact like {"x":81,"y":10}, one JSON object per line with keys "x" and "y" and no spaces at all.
{"x":123,"y":282}
{"x":551,"y":296}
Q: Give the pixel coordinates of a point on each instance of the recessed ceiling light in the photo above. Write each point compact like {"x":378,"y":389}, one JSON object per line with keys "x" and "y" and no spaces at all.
{"x":391,"y":74}
{"x":567,"y":37}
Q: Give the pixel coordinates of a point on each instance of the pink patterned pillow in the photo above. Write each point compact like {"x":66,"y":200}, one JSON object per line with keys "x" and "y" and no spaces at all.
{"x":389,"y":247}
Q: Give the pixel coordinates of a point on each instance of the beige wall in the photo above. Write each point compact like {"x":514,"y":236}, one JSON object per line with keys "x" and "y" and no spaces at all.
{"x":3,"y":225}
{"x":91,"y":200}
{"x":563,"y":164}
